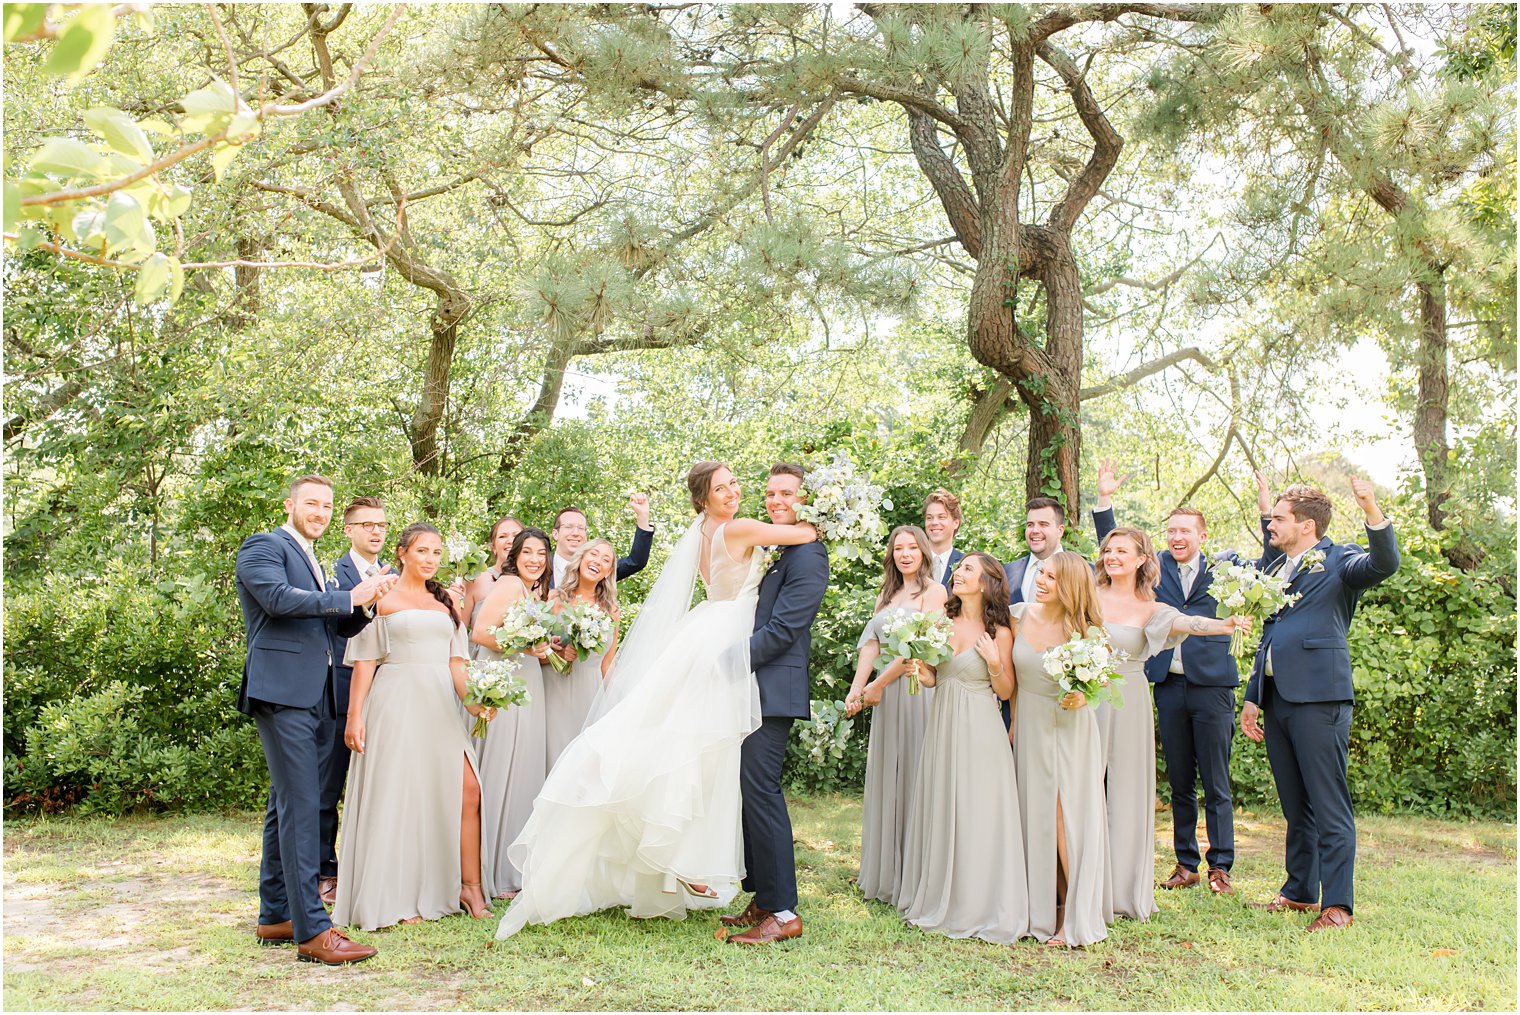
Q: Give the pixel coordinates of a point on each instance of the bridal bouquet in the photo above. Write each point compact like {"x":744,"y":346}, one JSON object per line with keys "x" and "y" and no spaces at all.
{"x":584,"y":628}
{"x":845,"y":508}
{"x":1085,"y":663}
{"x":825,"y":735}
{"x":526,"y":624}
{"x":1245,"y":589}
{"x":493,"y":683}
{"x":911,"y":635}
{"x":461,"y":559}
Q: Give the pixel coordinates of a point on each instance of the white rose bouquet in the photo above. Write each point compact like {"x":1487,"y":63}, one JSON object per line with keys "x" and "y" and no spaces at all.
{"x":908,"y":634}
{"x":461,"y":559}
{"x":1245,"y":589}
{"x":493,"y":683}
{"x":526,"y":624}
{"x":845,"y":508}
{"x":1085,"y":663}
{"x":583,"y":627}
{"x":825,"y":735}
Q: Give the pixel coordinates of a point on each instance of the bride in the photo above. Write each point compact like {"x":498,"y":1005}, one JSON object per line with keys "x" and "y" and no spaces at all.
{"x":642,"y":809}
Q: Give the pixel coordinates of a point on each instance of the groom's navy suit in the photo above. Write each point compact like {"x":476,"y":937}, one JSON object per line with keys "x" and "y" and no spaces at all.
{"x":292,"y":624}
{"x":1307,"y":701}
{"x":790,"y":594}
{"x":335,"y":754}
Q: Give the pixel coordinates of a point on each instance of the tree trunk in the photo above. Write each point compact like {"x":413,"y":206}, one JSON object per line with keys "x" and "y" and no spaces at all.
{"x":1430,"y":412}
{"x":427,"y":457}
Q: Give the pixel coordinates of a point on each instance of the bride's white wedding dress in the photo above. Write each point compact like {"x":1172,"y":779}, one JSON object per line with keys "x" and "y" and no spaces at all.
{"x":648,"y":793}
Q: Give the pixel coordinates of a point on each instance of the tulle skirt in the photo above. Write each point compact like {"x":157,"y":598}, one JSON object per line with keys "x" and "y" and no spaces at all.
{"x":648,"y":793}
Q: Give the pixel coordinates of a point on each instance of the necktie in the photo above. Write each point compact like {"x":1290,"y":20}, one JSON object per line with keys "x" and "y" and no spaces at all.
{"x":1186,"y":572}
{"x":370,"y":570}
{"x":1036,"y":565}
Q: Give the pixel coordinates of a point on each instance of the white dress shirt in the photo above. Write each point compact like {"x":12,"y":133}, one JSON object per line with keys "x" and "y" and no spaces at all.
{"x":366,"y":568}
{"x":311,"y":557}
{"x":1036,"y":565}
{"x":1188,"y":574}
{"x":560,"y":563}
{"x":941,"y":563}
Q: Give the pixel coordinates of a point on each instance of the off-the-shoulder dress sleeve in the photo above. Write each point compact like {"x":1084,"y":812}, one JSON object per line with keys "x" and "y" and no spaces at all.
{"x":872,"y":631}
{"x":1016,"y":611}
{"x":371,"y":643}
{"x":459,"y":645}
{"x":1158,"y":631}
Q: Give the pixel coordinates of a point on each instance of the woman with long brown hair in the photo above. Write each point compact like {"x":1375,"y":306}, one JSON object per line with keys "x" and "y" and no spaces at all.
{"x":962,"y":867}
{"x":898,"y":718}
{"x":513,"y":756}
{"x":412,"y":835}
{"x":590,"y":578}
{"x":1140,"y":627}
{"x":498,"y":544}
{"x":1060,"y":763}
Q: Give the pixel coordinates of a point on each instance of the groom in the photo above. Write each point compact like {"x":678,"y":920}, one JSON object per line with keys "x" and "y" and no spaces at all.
{"x":790,"y":593}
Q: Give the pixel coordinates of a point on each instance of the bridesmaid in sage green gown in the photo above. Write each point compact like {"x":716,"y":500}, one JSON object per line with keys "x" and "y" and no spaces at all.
{"x":412,"y":834}
{"x":1140,"y":627}
{"x":963,"y":855}
{"x":513,"y":755}
{"x":898,"y":718}
{"x":568,"y":696}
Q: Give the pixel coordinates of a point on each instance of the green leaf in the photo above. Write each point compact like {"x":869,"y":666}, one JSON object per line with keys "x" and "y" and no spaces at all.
{"x":243,"y":124}
{"x":176,"y":279}
{"x":120,"y":131}
{"x":208,"y":109}
{"x":152,"y":279}
{"x":12,"y":205}
{"x":64,"y":156}
{"x":22,"y":20}
{"x":88,"y":227}
{"x":126,"y":223}
{"x":179,"y":200}
{"x":28,"y":236}
{"x":83,"y":42}
{"x":222,"y":157}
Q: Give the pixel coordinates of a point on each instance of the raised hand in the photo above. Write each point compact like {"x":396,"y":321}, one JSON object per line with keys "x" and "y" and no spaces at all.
{"x":1108,"y":481}
{"x":1263,"y":493}
{"x":374,"y":589}
{"x":1366,"y":499}
{"x":638,"y":503}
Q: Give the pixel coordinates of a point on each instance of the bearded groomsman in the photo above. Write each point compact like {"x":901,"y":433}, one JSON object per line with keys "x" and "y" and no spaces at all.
{"x":292,"y":620}
{"x":1044,"y":528}
{"x":1194,"y":692}
{"x":365,"y":526}
{"x":1302,"y":682}
{"x":942,"y":520}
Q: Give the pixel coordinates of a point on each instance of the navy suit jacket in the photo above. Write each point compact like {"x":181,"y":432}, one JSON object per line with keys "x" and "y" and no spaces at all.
{"x":292,"y":623}
{"x":791,"y":591}
{"x":345,"y":576}
{"x":956,"y":556}
{"x":1310,"y":658}
{"x":1209,"y":663}
{"x":1015,"y":571}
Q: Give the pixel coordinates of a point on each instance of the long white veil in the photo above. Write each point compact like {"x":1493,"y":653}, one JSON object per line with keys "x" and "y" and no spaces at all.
{"x":666,"y":604}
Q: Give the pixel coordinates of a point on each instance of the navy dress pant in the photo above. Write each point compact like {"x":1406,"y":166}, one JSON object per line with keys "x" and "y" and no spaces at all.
{"x":769,"y":862}
{"x":1197,"y":726}
{"x":292,"y":828}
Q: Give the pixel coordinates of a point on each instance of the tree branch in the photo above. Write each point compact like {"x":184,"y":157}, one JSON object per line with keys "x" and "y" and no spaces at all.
{"x":1145,"y":370}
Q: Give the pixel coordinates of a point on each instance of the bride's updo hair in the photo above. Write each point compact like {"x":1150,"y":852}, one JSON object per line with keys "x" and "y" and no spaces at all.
{"x":699,"y":483}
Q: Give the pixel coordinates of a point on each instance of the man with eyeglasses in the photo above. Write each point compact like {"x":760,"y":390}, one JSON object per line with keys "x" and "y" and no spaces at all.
{"x":570,"y":532}
{"x":365,"y":526}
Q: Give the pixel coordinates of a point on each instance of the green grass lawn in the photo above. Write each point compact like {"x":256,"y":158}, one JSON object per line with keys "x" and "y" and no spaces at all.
{"x":158,"y":913}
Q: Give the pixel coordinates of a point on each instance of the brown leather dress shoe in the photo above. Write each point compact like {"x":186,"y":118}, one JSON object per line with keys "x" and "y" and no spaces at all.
{"x":1282,"y":903}
{"x":327,"y":887}
{"x":1333,"y":918}
{"x":752,"y":915}
{"x":768,"y":930}
{"x":1219,"y":881}
{"x":333,"y":948}
{"x":275,"y":933}
{"x":1181,"y":878}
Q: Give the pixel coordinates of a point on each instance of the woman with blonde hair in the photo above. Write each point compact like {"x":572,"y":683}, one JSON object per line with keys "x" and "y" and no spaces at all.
{"x":898,"y":719}
{"x":1139,"y":627}
{"x":1059,"y":760}
{"x":590,"y":578}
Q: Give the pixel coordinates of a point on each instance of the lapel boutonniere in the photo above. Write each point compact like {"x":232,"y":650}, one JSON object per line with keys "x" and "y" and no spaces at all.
{"x":768,"y":555}
{"x":1313,"y":562}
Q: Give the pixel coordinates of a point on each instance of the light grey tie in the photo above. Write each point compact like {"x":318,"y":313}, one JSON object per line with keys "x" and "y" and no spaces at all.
{"x":1036,"y":565}
{"x":1188,"y":571}
{"x":370,"y":570}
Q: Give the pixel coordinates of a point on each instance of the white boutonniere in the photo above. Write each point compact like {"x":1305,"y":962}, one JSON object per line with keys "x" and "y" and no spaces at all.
{"x":768,"y":555}
{"x":1313,"y":562}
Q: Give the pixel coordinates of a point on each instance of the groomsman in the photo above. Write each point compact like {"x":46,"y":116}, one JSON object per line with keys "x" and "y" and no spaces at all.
{"x":942,"y":520}
{"x":364,"y":524}
{"x":292,"y":620}
{"x":1044,"y":527}
{"x":1302,"y":682}
{"x":570,"y":532}
{"x":1195,"y":692}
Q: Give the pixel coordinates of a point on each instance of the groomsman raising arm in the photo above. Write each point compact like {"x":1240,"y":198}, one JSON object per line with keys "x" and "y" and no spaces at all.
{"x":942,"y":520}
{"x":1302,"y":682}
{"x":570,"y":531}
